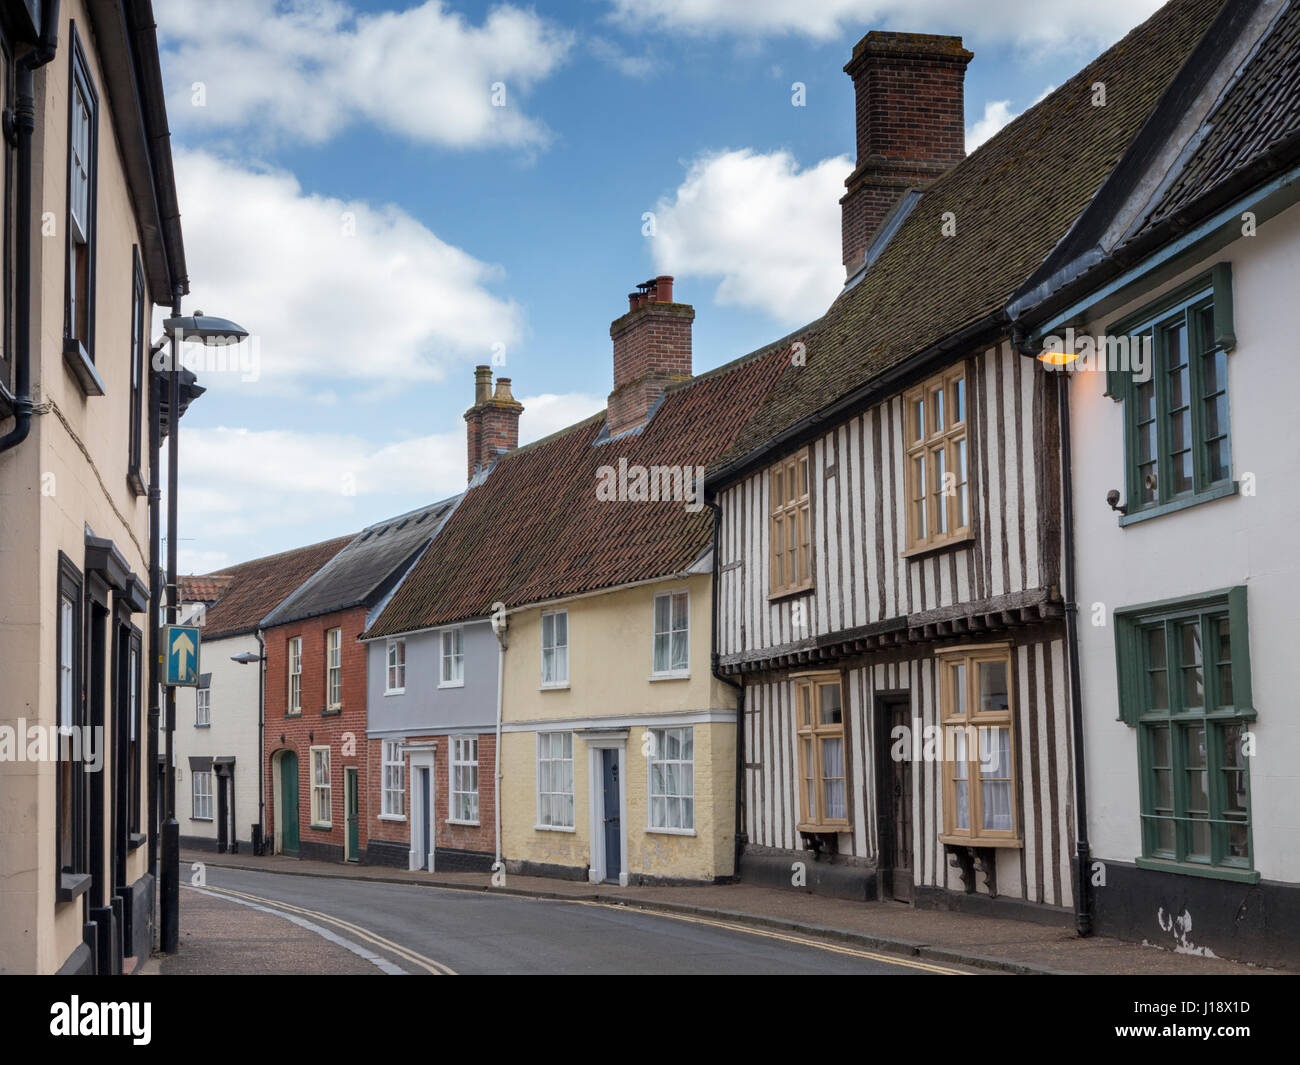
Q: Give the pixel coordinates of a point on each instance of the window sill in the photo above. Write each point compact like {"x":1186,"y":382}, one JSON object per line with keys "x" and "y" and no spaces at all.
{"x":392,"y":817}
{"x":331,"y":711}
{"x":467,"y":824}
{"x":978,"y":841}
{"x":293,"y":713}
{"x":394,"y":691}
{"x":452,"y":684}
{"x":1210,"y":872}
{"x":790,"y":593}
{"x":553,"y":688}
{"x":321,"y":828}
{"x":205,"y":820}
{"x":78,"y":360}
{"x":553,"y":828}
{"x":669,"y":831}
{"x":208,"y":725}
{"x":1218,"y":491}
{"x":135,"y":839}
{"x":826,"y":830}
{"x":670,"y":676}
{"x":136,"y":482}
{"x":73,"y":886}
{"x":937,"y":545}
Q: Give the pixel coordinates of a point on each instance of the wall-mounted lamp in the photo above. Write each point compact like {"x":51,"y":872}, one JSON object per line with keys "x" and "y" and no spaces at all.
{"x":1112,"y":497}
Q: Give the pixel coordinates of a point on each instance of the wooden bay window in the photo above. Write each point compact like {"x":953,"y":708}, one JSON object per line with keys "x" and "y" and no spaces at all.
{"x":975,"y":701}
{"x":823,"y":776}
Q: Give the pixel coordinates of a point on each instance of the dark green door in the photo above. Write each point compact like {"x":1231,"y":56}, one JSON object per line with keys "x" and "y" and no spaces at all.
{"x":350,"y":812}
{"x":289,"y":804}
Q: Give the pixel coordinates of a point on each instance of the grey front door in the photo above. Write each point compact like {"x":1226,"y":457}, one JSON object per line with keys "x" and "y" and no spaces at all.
{"x":613,"y":832}
{"x":426,"y":818}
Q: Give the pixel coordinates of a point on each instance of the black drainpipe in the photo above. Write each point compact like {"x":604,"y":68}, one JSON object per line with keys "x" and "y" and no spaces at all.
{"x":155,"y":600}
{"x":1082,"y":852}
{"x":20,"y":125}
{"x":714,"y":658}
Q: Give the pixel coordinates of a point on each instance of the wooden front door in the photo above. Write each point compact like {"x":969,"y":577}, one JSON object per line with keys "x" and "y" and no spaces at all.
{"x":289,"y":804}
{"x":894,"y":796}
{"x":351,"y":819}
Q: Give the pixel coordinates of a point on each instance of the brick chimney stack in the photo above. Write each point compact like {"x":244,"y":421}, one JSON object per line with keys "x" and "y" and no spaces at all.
{"x":652,"y":350}
{"x":910,"y":90}
{"x":492,"y":424}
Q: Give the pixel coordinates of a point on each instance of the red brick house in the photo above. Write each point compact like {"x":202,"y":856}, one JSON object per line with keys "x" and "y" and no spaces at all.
{"x":314,"y":750}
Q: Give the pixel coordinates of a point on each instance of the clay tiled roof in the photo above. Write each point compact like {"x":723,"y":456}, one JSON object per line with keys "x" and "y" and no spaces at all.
{"x":251,"y":589}
{"x":1012,"y":200}
{"x":535,"y":529}
{"x":205,"y":589}
{"x":1259,"y":110}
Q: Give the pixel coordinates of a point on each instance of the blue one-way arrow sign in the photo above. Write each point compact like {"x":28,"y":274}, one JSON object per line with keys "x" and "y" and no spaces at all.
{"x":182,"y":644}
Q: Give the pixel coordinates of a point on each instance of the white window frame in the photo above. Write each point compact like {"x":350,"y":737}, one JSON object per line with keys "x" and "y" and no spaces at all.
{"x":395,"y":667}
{"x":201,"y":797}
{"x":451,"y":662}
{"x":202,"y":707}
{"x":295,"y":675}
{"x":68,"y":614}
{"x":558,"y":680}
{"x":545,"y":754}
{"x":334,"y":668}
{"x":460,"y":764}
{"x":670,"y":634}
{"x":321,"y":794}
{"x":393,"y":781}
{"x":656,"y":758}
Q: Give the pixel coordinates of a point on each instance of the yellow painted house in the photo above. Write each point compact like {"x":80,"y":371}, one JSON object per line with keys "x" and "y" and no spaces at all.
{"x":618,"y":745}
{"x":591,"y":551}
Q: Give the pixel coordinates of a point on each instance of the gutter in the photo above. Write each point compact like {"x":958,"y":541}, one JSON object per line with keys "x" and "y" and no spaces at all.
{"x":21,"y":127}
{"x":714,"y":661}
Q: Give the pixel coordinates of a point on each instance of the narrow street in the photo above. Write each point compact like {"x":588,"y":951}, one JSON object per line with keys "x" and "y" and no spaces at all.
{"x":297,"y":924}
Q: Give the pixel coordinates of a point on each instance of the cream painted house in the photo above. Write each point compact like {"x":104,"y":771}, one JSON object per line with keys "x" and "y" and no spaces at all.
{"x":97,"y":244}
{"x":618,"y":744}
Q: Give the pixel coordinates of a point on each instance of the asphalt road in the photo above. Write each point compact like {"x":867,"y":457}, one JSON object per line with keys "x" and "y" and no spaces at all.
{"x":392,"y":928}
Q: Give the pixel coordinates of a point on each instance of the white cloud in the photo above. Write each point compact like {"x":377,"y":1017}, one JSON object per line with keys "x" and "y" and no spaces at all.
{"x":252,"y":492}
{"x":997,"y":113}
{"x":614,"y":57}
{"x":335,"y":292}
{"x":305,"y":71}
{"x":768,"y":230}
{"x":1076,"y":23}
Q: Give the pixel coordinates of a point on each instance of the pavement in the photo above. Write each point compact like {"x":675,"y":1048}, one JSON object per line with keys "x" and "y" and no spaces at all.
{"x":211,"y":930}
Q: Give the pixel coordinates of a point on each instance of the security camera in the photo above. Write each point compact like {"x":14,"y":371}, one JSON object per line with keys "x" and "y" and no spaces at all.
{"x":1112,"y":497}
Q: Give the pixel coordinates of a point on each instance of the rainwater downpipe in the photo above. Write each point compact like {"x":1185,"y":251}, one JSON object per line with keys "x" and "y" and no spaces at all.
{"x":714,"y":659}
{"x":1083,"y":917}
{"x":20,"y":125}
{"x":503,"y":642}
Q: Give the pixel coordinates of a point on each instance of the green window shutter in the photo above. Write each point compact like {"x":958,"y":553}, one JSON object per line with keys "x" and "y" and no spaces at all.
{"x":1239,"y":634}
{"x":1224,"y":335}
{"x":1128,"y":670}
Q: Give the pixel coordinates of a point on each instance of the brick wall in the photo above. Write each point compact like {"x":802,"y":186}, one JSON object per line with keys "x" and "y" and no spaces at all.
{"x":909,"y":90}
{"x":652,"y":349}
{"x":343,"y":731}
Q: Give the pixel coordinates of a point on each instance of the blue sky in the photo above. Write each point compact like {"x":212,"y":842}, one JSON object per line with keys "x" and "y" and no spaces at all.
{"x":352,"y":196}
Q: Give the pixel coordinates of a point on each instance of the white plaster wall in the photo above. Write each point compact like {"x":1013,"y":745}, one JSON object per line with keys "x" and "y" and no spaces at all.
{"x":1241,"y":539}
{"x":233,"y":732}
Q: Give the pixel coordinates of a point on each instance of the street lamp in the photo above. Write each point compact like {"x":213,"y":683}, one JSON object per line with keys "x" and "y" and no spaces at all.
{"x":197,"y":328}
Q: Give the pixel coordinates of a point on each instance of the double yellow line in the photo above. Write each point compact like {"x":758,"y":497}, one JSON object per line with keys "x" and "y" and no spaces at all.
{"x":833,"y":948}
{"x":373,"y":938}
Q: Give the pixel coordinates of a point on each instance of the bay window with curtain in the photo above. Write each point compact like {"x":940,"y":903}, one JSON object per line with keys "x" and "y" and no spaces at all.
{"x":979,"y":794}
{"x":823,"y":780}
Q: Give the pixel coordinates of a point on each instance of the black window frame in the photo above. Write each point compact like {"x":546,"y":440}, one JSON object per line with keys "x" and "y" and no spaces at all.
{"x":72,"y":878}
{"x":8,"y":217}
{"x":79,"y":352}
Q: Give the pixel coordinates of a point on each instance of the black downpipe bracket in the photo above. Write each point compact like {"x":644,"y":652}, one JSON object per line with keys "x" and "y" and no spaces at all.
{"x":1083,"y":923}
{"x":23,"y":127}
{"x":714,"y":658}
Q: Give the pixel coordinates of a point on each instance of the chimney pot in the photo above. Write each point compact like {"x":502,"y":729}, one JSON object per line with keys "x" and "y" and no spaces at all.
{"x":664,"y":289}
{"x":910,"y":126}
{"x":482,"y":384}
